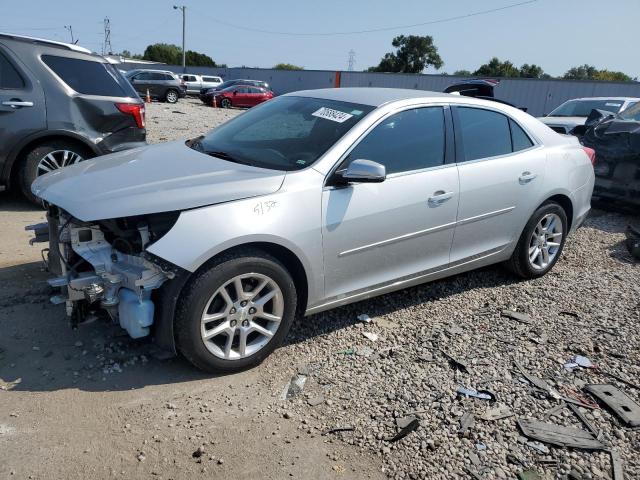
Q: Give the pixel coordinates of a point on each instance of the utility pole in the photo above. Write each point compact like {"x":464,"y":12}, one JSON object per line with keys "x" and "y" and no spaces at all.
{"x":68,"y":27}
{"x":352,"y":60}
{"x":106,"y":47}
{"x":184,"y":52}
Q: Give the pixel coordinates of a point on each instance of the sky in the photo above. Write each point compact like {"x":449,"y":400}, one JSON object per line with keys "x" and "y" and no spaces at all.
{"x":555,"y":34}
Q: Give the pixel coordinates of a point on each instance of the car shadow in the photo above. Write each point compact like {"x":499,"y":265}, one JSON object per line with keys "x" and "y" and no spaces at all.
{"x":12,"y":201}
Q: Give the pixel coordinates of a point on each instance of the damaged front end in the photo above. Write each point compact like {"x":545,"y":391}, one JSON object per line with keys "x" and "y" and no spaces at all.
{"x":102,"y":266}
{"x":616,"y":141}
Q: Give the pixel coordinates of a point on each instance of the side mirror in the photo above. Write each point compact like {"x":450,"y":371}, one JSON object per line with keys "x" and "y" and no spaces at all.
{"x":235,"y":92}
{"x":364,"y":171}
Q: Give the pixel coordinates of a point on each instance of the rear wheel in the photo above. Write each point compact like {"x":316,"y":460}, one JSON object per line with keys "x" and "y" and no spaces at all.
{"x":171,"y":96}
{"x":225,"y":103}
{"x":541,"y":242}
{"x":234,"y":314}
{"x":47,"y":157}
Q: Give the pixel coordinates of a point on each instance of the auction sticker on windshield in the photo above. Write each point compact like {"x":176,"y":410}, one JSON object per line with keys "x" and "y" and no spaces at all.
{"x":331,"y":114}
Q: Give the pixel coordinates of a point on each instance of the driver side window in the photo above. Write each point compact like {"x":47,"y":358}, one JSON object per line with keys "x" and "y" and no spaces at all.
{"x":409,"y":140}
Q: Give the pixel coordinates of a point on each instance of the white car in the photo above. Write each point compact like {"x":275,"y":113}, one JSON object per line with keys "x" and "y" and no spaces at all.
{"x":570,"y":114}
{"x":195,"y":83}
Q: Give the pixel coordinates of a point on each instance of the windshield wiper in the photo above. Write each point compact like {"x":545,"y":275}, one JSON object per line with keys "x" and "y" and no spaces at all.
{"x":227,"y":156}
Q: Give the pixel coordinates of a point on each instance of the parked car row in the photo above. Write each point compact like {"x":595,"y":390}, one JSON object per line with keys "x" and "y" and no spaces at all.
{"x":207,"y":94}
{"x":161,"y":85}
{"x":195,"y":83}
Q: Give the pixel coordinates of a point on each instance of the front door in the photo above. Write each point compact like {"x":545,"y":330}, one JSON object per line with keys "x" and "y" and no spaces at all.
{"x":501,"y":174}
{"x":375,"y":233}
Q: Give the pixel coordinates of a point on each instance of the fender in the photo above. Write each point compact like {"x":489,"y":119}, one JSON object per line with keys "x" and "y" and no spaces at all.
{"x":42,"y":134}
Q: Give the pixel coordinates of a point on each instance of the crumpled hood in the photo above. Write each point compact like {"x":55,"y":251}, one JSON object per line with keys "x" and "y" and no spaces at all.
{"x":563,"y":121}
{"x":153,"y":179}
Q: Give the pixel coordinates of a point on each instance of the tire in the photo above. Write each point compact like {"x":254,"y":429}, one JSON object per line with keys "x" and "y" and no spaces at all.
{"x":226,"y":103}
{"x":201,"y":297}
{"x":171,"y":96}
{"x":521,"y":262}
{"x":44,"y":157}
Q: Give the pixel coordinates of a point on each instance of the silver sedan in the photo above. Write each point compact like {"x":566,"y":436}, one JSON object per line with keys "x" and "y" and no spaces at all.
{"x":310,"y":201}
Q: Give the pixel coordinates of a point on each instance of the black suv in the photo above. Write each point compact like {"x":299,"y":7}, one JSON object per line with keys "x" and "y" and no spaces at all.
{"x":161,"y":84}
{"x":60,"y":104}
{"x":206,"y":94}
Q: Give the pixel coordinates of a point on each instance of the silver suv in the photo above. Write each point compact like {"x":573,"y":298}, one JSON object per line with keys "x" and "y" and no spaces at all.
{"x":309,"y":201}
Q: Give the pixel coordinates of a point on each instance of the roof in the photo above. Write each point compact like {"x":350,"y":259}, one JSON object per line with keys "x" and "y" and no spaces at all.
{"x":68,"y":46}
{"x":621,"y":99}
{"x":368,"y":95}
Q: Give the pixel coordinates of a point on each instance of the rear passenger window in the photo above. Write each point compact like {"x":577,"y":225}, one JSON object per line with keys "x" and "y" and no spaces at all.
{"x":484,"y":133}
{"x":409,"y":140}
{"x":9,"y":76}
{"x":519,"y":138}
{"x":90,"y":78}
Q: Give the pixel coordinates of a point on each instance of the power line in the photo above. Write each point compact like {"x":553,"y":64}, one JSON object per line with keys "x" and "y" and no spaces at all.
{"x":372,"y":30}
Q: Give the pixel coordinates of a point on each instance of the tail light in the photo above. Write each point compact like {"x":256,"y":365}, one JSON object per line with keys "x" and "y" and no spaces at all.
{"x":591,"y":153}
{"x":136,"y":110}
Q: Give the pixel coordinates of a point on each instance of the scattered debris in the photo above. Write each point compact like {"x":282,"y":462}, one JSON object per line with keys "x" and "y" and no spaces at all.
{"x":410,"y":427}
{"x":538,"y":383}
{"x":497,"y":413}
{"x":569,"y":314}
{"x":402,"y":422}
{"x":558,"y":435}
{"x":339,"y":429}
{"x":371,"y":336}
{"x":363,"y":317}
{"x":539,"y":447}
{"x":466,"y":422}
{"x":474,"y":474}
{"x":596,"y":433}
{"x":553,"y":412}
{"x":384,"y":323}
{"x":529,"y":475}
{"x":364,"y":351}
{"x":294,"y":387}
{"x":198,"y":453}
{"x":616,"y":465}
{"x":480,"y":446}
{"x":518,"y":316}
{"x":481,"y":394}
{"x":315,"y":401}
{"x":578,"y":361}
{"x":455,"y":363}
{"x":628,"y":383}
{"x":618,"y":402}
{"x":633,"y":241}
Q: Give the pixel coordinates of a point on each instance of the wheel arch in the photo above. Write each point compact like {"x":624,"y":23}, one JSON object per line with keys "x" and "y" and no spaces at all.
{"x":32,"y":141}
{"x":565,"y":202}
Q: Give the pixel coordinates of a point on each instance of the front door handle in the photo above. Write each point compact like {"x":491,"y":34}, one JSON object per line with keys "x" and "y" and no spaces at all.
{"x":526,"y":177}
{"x":439,"y":197}
{"x":16,"y":104}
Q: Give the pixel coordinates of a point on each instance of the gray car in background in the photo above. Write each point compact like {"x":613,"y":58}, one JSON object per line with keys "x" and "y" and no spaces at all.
{"x":309,"y":201}
{"x":60,"y":104}
{"x":161,"y":85}
{"x":573,"y":113}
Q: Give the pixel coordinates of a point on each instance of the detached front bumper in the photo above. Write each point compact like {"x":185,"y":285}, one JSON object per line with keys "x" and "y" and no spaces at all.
{"x":92,"y":275}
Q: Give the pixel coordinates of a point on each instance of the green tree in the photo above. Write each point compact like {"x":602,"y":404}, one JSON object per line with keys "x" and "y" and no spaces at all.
{"x":610,"y":76}
{"x":287,"y":66}
{"x":589,"y":72}
{"x":172,"y":55}
{"x":463,"y":73}
{"x":413,"y":54}
{"x":496,"y":68}
{"x":531,"y":71}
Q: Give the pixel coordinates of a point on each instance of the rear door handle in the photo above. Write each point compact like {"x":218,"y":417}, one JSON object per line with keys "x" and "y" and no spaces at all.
{"x":439,"y":197}
{"x":526,"y":177}
{"x":16,"y":103}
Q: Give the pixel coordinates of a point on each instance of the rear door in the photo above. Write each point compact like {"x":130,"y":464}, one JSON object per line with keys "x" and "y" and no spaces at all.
{"x":501,"y":173}
{"x":255,"y":96}
{"x":22,"y":105}
{"x":241,"y":97}
{"x":192,"y":82}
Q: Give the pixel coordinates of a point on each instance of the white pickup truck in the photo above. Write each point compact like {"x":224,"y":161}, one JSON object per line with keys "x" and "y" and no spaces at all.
{"x":195,"y":82}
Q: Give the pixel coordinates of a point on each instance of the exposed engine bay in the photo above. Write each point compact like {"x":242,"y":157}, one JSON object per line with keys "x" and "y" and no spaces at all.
{"x":102,"y":266}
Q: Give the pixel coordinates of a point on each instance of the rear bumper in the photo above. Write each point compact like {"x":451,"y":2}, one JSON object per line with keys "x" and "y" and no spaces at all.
{"x":617,"y":191}
{"x":125,"y":139}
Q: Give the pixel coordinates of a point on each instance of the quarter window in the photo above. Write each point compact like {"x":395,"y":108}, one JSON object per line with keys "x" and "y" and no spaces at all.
{"x":89,"y":77}
{"x":409,"y":140}
{"x":519,"y":138}
{"x":9,"y":76}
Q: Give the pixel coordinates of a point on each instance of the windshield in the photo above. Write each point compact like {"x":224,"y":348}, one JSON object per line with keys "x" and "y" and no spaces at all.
{"x":631,"y":113}
{"x":582,"y":108}
{"x":286,"y":133}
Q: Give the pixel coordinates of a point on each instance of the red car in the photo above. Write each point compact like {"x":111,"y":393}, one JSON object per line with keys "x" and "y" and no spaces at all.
{"x":242,"y":96}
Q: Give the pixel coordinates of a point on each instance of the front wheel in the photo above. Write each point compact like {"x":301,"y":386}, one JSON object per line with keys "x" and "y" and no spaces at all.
{"x":225,"y":103}
{"x":234,"y":314}
{"x":541,"y":242}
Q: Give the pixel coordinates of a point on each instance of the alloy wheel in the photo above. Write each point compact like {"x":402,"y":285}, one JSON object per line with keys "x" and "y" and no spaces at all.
{"x":172,"y":97}
{"x":242,"y":316}
{"x":545,"y":241}
{"x":57,"y":159}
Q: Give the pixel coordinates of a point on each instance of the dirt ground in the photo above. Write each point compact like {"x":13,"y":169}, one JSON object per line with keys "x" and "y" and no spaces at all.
{"x":92,"y":403}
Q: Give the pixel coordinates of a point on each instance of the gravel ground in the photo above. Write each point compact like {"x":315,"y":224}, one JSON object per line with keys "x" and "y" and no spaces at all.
{"x":141,"y":416}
